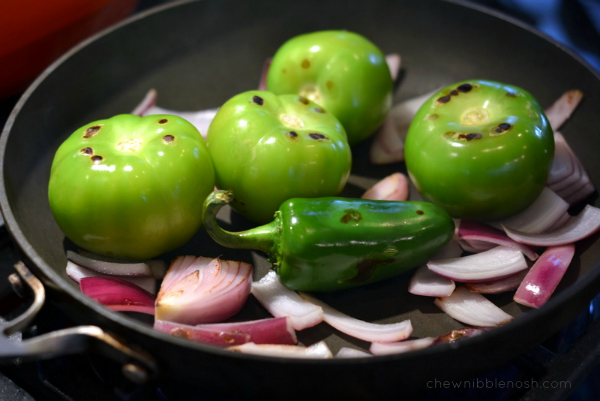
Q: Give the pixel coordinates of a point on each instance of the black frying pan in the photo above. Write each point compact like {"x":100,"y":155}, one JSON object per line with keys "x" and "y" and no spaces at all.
{"x":197,"y":55}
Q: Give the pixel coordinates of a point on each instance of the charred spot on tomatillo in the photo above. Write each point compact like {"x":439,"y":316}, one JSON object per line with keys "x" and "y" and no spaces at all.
{"x":342,"y":72}
{"x":276,"y":149}
{"x":131,"y":187}
{"x":480,"y":149}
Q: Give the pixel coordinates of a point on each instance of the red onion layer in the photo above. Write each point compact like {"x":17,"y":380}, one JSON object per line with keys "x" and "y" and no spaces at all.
{"x":496,"y":263}
{"x":203,"y":290}
{"x":544,"y":276}
{"x":393,"y":187}
{"x":473,"y":309}
{"x":77,"y":272}
{"x":469,"y":230}
{"x":388,"y":145}
{"x":372,"y":332}
{"x":316,"y":351}
{"x":280,"y":301}
{"x":401,"y":346}
{"x":547,"y":211}
{"x":509,"y":283}
{"x":118,"y":294}
{"x":586,"y":223}
{"x":263,"y":331}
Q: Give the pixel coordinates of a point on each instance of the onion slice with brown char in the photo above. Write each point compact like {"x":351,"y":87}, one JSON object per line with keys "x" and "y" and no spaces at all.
{"x":277,"y":330}
{"x":203,"y":290}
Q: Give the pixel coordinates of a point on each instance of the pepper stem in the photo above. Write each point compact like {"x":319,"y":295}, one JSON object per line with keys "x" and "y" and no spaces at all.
{"x":263,"y":238}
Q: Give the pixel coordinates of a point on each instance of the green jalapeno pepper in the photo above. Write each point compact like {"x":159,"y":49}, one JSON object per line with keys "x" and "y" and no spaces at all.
{"x":342,"y":71}
{"x":131,"y":187}
{"x":268,"y":148}
{"x":325,"y":244}
{"x":480,"y":149}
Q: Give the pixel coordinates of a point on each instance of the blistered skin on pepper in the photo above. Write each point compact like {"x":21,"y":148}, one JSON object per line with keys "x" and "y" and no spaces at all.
{"x":480,"y":149}
{"x":351,"y":215}
{"x":365,"y":269}
{"x":143,"y":178}
{"x":357,"y":241}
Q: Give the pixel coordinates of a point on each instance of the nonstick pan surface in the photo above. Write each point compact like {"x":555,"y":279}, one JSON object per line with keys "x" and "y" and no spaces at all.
{"x":199,"y":54}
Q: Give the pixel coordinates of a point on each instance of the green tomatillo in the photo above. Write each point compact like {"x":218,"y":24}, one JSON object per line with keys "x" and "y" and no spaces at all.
{"x":131,"y":187}
{"x":480,"y":149}
{"x":327,"y":244}
{"x":342,"y":71}
{"x":269,"y":148}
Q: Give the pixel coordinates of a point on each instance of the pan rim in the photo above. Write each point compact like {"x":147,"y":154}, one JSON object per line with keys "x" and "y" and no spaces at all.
{"x":592,"y":278}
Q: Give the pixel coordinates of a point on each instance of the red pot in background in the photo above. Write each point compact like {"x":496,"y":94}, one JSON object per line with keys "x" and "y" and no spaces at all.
{"x":33,"y":33}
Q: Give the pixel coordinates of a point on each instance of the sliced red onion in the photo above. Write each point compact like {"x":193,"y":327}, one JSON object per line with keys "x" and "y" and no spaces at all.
{"x":469,"y":230}
{"x":496,"y":263}
{"x":559,"y":223}
{"x":201,"y":119}
{"x":458,"y":334}
{"x":262,"y":83}
{"x":581,"y":193}
{"x":347,"y":352}
{"x":509,"y":283}
{"x":562,"y":108}
{"x":563,"y":169}
{"x":118,"y":294}
{"x":586,"y":223}
{"x":388,"y":145}
{"x":203,"y":290}
{"x":400,"y":346}
{"x":147,"y":102}
{"x":473,"y":309}
{"x":544,"y":276}
{"x":318,"y":350}
{"x":281,"y":301}
{"x":204,"y":336}
{"x":394,"y":62}
{"x":427,"y":283}
{"x":372,"y":332}
{"x":77,"y":272}
{"x":567,"y":176}
{"x":546,"y":211}
{"x":474,"y":246}
{"x":108,"y":266}
{"x":264,"y":331}
{"x":393,"y":187}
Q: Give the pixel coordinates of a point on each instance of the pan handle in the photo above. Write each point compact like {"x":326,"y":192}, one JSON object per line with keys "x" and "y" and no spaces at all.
{"x":137,"y":365}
